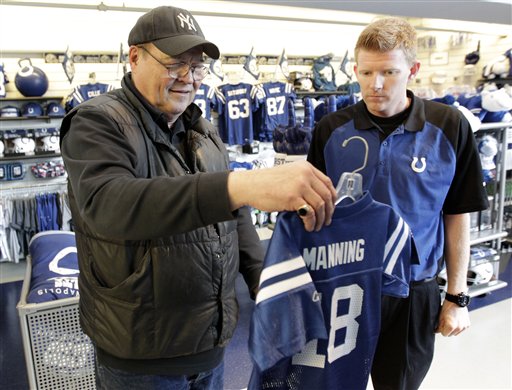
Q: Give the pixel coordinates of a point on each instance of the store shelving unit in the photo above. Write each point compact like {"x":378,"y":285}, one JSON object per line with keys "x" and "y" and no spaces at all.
{"x":496,"y":233}
{"x":27,"y":160}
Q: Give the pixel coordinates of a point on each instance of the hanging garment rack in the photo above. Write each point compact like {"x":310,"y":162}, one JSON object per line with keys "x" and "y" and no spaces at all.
{"x":31,"y":189}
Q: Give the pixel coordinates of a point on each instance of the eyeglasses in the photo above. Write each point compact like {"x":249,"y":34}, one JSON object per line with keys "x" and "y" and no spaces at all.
{"x":181,"y":69}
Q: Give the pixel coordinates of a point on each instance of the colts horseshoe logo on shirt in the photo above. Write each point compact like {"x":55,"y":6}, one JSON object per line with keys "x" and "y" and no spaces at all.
{"x":420,"y":168}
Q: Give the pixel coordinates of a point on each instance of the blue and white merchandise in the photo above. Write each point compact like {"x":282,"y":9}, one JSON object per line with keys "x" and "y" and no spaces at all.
{"x":488,"y":149}
{"x":324,"y":74}
{"x":54,"y":261}
{"x":84,"y":92}
{"x":10,"y":112}
{"x":205,"y":98}
{"x":317,"y":316}
{"x":272,"y":99}
{"x":54,"y":109}
{"x":31,"y":110}
{"x":68,"y":65}
{"x":235,"y":105}
{"x":216,"y":69}
{"x":30,"y":80}
{"x":251,"y":65}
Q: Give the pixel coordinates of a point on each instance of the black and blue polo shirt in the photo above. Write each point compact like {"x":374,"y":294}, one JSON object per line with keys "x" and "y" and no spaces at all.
{"x":428,"y":166}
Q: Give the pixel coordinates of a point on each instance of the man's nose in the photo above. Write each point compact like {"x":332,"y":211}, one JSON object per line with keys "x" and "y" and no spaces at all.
{"x":377,"y":82}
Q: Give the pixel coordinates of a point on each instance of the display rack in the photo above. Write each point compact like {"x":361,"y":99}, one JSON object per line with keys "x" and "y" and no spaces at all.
{"x":18,"y":101}
{"x":29,"y":159}
{"x":496,"y":233}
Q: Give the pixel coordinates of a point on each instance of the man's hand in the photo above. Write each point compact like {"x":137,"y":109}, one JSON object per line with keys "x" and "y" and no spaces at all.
{"x":286,"y":187}
{"x":453,"y":319}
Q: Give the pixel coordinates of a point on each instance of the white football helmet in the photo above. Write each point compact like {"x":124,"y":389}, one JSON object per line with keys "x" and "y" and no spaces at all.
{"x":480,"y":273}
{"x":24,"y":145}
{"x":50,"y":143}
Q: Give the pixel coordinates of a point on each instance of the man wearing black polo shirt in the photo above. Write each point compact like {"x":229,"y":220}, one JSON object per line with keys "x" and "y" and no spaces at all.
{"x":423,"y":162}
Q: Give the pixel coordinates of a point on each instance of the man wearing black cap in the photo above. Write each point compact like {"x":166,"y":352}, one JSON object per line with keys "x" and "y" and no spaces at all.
{"x":160,"y":223}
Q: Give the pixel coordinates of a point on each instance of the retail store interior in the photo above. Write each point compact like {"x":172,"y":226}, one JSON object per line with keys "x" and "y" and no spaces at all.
{"x":92,"y":35}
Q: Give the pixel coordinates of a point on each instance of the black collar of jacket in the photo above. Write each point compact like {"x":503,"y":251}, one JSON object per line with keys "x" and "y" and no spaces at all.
{"x":414,"y":122}
{"x":190,"y":117}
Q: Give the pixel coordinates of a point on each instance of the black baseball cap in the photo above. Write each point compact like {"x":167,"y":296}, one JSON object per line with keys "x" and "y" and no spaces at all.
{"x":172,"y":30}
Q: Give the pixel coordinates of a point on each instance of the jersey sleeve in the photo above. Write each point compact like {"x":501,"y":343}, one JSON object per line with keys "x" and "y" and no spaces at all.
{"x":258,"y":96}
{"x":218,"y":106}
{"x":220,"y":100}
{"x":251,"y":95}
{"x":78,"y":96}
{"x":288,"y":310}
{"x":211,"y":97}
{"x":398,"y":252}
{"x":290,"y":92}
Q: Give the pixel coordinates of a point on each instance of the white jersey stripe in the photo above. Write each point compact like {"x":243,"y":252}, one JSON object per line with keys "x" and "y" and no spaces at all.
{"x":281,"y":268}
{"x":392,"y":239}
{"x":283,"y":286}
{"x":398,"y":249}
{"x":220,"y":95}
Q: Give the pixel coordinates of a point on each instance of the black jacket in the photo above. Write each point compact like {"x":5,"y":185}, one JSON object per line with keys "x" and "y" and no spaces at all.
{"x":158,"y":248}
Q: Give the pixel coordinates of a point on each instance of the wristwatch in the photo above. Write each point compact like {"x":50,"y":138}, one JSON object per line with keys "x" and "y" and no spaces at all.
{"x":461,"y":299}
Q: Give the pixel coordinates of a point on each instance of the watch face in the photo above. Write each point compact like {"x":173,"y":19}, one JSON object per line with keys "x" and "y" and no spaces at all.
{"x":463,"y":300}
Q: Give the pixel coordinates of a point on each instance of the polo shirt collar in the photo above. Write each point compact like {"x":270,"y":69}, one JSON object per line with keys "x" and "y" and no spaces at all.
{"x":414,"y":122}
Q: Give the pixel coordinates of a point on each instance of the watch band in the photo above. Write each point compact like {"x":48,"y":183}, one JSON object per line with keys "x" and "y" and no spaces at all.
{"x":462,"y":299}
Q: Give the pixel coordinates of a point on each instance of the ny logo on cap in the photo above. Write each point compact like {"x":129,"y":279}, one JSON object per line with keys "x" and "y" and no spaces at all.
{"x":188,"y":20}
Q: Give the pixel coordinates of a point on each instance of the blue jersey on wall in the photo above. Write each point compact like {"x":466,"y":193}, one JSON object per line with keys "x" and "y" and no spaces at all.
{"x":205,"y":98}
{"x":317,"y":316}
{"x":235,"y":105}
{"x":84,"y":92}
{"x":272,"y":99}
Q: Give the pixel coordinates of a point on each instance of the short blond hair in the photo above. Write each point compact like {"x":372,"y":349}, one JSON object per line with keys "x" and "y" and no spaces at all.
{"x":389,"y":34}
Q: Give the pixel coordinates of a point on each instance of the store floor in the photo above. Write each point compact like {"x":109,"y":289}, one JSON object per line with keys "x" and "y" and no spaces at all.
{"x":480,"y":358}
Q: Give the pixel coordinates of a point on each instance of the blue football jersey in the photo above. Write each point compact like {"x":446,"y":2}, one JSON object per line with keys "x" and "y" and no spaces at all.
{"x":84,"y":92}
{"x":205,"y":98}
{"x":317,"y":316}
{"x":235,"y":105}
{"x":272,"y":100}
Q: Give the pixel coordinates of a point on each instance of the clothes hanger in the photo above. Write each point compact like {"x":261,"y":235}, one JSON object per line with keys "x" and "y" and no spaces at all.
{"x":234,"y":78}
{"x":350,"y":185}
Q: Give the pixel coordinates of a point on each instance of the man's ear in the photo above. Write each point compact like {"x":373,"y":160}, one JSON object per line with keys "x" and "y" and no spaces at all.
{"x":134,"y":56}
